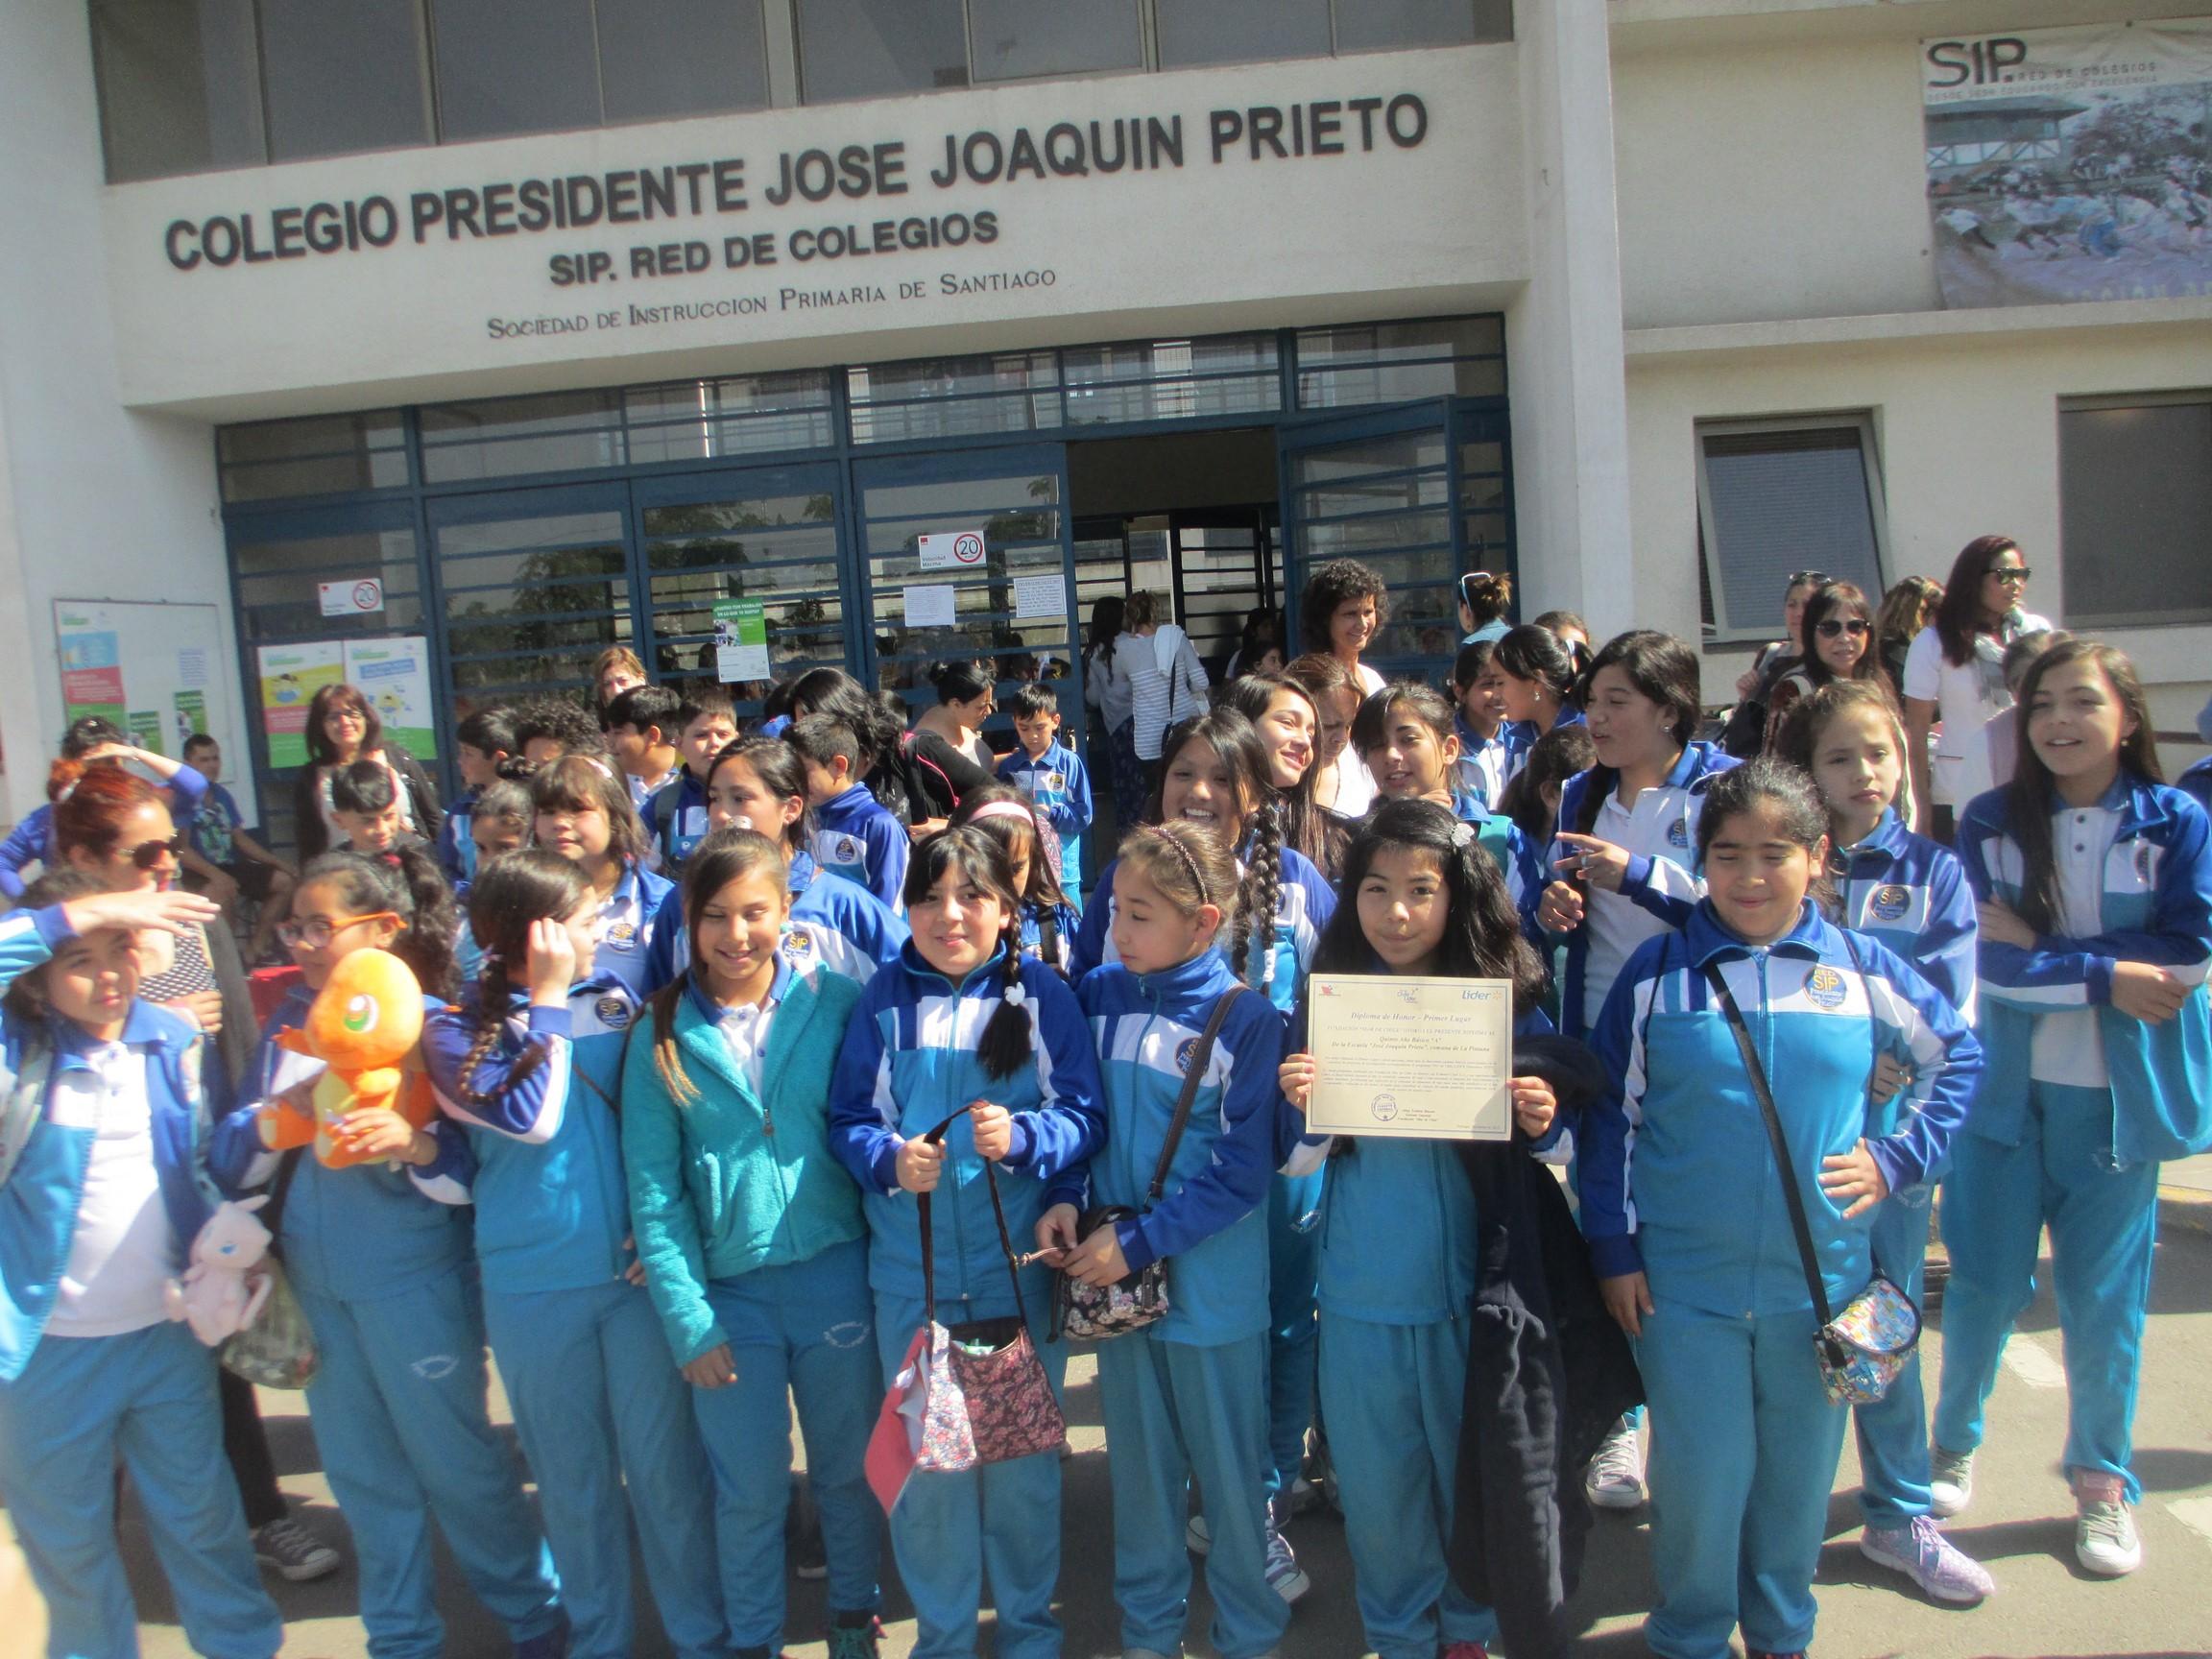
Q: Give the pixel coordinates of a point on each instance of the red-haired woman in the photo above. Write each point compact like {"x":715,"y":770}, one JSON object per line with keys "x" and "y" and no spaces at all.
{"x":343,"y":727}
{"x":117,"y":828}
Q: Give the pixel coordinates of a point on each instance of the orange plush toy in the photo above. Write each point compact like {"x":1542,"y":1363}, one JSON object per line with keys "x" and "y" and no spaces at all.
{"x":361,"y":1026}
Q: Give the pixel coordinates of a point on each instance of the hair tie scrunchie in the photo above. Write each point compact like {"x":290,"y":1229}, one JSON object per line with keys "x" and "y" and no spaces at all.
{"x":1462,"y":835}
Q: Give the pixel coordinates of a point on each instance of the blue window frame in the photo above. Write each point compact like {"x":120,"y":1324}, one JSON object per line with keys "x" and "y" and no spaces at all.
{"x":522,"y":536}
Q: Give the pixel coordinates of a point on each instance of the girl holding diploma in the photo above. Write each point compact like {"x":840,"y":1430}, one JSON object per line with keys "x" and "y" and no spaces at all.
{"x":1398,"y":1240}
{"x":1688,"y":1224}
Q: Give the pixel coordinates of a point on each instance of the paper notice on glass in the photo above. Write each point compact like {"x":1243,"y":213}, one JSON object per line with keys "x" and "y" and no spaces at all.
{"x":1045,"y":595}
{"x":931,"y":607}
{"x":1422,"y":1059}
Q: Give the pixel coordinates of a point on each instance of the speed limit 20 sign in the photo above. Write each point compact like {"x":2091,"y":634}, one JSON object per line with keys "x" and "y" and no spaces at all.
{"x":951,"y":550}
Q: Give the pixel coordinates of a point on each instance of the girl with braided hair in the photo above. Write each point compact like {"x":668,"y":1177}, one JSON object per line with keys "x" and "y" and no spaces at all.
{"x":1215,"y":778}
{"x":1183,"y":1398}
{"x":531,"y":1068}
{"x":964,"y":1019}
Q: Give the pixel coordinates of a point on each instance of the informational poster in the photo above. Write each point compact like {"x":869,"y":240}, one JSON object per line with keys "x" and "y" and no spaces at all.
{"x":931,"y":607}
{"x":394,"y":676}
{"x":2070,"y":163}
{"x":290,"y":677}
{"x":1045,"y":595}
{"x":953,"y":551}
{"x":145,"y":666}
{"x":740,"y":639}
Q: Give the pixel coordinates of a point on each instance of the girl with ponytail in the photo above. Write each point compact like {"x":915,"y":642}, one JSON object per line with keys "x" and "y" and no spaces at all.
{"x":1009,"y":817}
{"x":531,"y":1069}
{"x":964,"y":1022}
{"x":1216,"y":779}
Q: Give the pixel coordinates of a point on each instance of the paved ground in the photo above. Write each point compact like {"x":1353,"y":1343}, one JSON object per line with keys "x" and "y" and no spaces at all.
{"x":2021,"y":1526}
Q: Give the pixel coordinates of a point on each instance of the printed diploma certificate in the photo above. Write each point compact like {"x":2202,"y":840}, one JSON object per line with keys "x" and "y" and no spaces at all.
{"x":1424,"y":1059}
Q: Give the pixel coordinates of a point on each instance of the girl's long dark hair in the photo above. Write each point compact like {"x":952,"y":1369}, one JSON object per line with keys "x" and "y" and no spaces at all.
{"x":511,"y":891}
{"x":1482,"y":938}
{"x":1661,"y":667}
{"x":406,"y":882}
{"x":1371,"y":723}
{"x":1767,"y":781}
{"x":1531,"y":652}
{"x":1008,"y":1043}
{"x":1044,"y":889}
{"x":2032,"y":799}
{"x":1553,"y":758}
{"x":577,"y":783}
{"x":1233,"y":738}
{"x":1959,"y":618}
{"x":725,"y":856}
{"x":320,"y":752}
{"x":1305,"y":826}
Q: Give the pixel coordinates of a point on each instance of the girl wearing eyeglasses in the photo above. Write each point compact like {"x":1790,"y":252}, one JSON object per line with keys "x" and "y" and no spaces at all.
{"x":379,"y":1255}
{"x":1954,"y":677}
{"x":1835,"y":641}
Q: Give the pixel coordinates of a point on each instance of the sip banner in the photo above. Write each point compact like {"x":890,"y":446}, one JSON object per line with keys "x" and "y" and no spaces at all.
{"x":2070,"y":163}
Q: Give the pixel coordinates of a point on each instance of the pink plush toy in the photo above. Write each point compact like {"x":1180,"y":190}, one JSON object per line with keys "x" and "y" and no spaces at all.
{"x":214,"y":1295}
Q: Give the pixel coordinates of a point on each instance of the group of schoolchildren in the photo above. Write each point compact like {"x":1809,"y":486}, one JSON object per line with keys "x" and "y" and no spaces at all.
{"x":725,"y":1019}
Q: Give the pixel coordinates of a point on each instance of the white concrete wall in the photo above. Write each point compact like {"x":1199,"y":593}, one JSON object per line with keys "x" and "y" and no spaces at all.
{"x":1967,"y":429}
{"x":97,"y":502}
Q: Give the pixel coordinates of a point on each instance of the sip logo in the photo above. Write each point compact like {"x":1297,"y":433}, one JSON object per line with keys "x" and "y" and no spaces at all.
{"x":1677,"y":833}
{"x":799,"y":942}
{"x":1983,"y":62}
{"x":1890,"y":903}
{"x":848,"y":850}
{"x":1824,"y":986}
{"x":613,"y":1013}
{"x":1185,"y":1051}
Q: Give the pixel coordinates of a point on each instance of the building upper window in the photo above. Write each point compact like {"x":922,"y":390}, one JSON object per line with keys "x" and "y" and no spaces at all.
{"x":1783,"y":496}
{"x":2135,"y":508}
{"x":193,"y":85}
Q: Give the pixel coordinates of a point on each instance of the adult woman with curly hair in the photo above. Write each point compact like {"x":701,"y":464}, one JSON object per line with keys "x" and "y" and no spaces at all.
{"x":1342,"y":610}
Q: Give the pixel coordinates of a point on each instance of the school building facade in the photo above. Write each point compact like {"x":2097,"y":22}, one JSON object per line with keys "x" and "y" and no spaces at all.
{"x":444,"y":342}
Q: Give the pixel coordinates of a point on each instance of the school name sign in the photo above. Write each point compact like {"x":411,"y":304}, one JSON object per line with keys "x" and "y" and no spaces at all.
{"x":669,"y":201}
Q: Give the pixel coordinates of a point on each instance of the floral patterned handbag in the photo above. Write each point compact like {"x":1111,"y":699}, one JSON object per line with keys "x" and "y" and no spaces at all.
{"x":987,"y":1398}
{"x":1091,"y":1312}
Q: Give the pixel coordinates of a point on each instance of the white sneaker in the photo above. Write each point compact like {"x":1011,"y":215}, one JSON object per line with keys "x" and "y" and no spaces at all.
{"x":1949,"y":1483}
{"x":1616,"y":1477}
{"x":1196,"y":1537}
{"x":2105,"y":1541}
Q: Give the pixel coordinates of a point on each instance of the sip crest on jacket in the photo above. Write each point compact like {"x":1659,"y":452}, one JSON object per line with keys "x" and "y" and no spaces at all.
{"x":2156,"y":906}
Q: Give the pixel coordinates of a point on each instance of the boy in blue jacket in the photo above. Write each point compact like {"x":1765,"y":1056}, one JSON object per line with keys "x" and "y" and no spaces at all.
{"x":855,"y":836}
{"x":1053,"y":777}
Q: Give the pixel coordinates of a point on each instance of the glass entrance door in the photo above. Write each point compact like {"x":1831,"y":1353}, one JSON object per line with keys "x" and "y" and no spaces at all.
{"x":1011,"y":605}
{"x":1380,"y":489}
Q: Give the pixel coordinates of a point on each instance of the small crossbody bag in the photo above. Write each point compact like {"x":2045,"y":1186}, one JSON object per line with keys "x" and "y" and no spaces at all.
{"x":1090,"y":1313}
{"x":1860,"y":1350}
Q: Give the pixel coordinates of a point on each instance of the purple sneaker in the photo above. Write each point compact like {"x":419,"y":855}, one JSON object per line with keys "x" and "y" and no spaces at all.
{"x":1923,"y":1555}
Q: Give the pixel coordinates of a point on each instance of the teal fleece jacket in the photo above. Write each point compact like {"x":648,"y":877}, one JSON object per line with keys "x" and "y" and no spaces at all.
{"x":726,"y":1182}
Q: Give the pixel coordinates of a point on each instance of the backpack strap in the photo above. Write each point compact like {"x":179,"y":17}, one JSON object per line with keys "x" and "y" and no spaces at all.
{"x":1200,"y":1057}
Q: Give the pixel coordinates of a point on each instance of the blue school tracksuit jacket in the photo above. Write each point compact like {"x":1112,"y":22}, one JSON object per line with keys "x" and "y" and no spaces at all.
{"x":2196,"y":784}
{"x":1211,"y":1223}
{"x":1058,"y":784}
{"x":1304,"y":902}
{"x":676,"y":818}
{"x":39,"y":1203}
{"x":1678,"y":1179}
{"x":856,"y":837}
{"x":834,"y":924}
{"x":1667,"y":887}
{"x":1911,"y":894}
{"x":456,"y":846}
{"x":1484,"y":763}
{"x":908,"y":1062}
{"x":627,"y":925}
{"x":2157,"y":907}
{"x":1521,"y":735}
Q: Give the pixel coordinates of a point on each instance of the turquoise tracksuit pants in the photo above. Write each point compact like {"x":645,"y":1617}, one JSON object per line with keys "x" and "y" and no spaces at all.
{"x":150,"y":1396}
{"x":597,"y":1400}
{"x":2104,"y":1222}
{"x":1743,"y":1450}
{"x":398,"y":1408}
{"x":1293,"y":1276}
{"x":1175,"y":1412}
{"x":805,"y":1331}
{"x":1893,"y":1432}
{"x":1392,"y":1397}
{"x":951,"y":1531}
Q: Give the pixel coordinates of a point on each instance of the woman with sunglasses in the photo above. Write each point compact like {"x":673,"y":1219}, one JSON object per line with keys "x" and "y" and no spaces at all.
{"x":1835,"y":641}
{"x":1954,"y":677}
{"x":116,"y":828}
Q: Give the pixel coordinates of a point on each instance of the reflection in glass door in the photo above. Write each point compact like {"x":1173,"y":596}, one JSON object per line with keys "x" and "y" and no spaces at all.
{"x":767,"y":533}
{"x":1012,"y":607}
{"x":533,"y":584}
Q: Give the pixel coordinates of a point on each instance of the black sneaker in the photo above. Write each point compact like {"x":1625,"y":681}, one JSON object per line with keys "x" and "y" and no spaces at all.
{"x":292,"y":1550}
